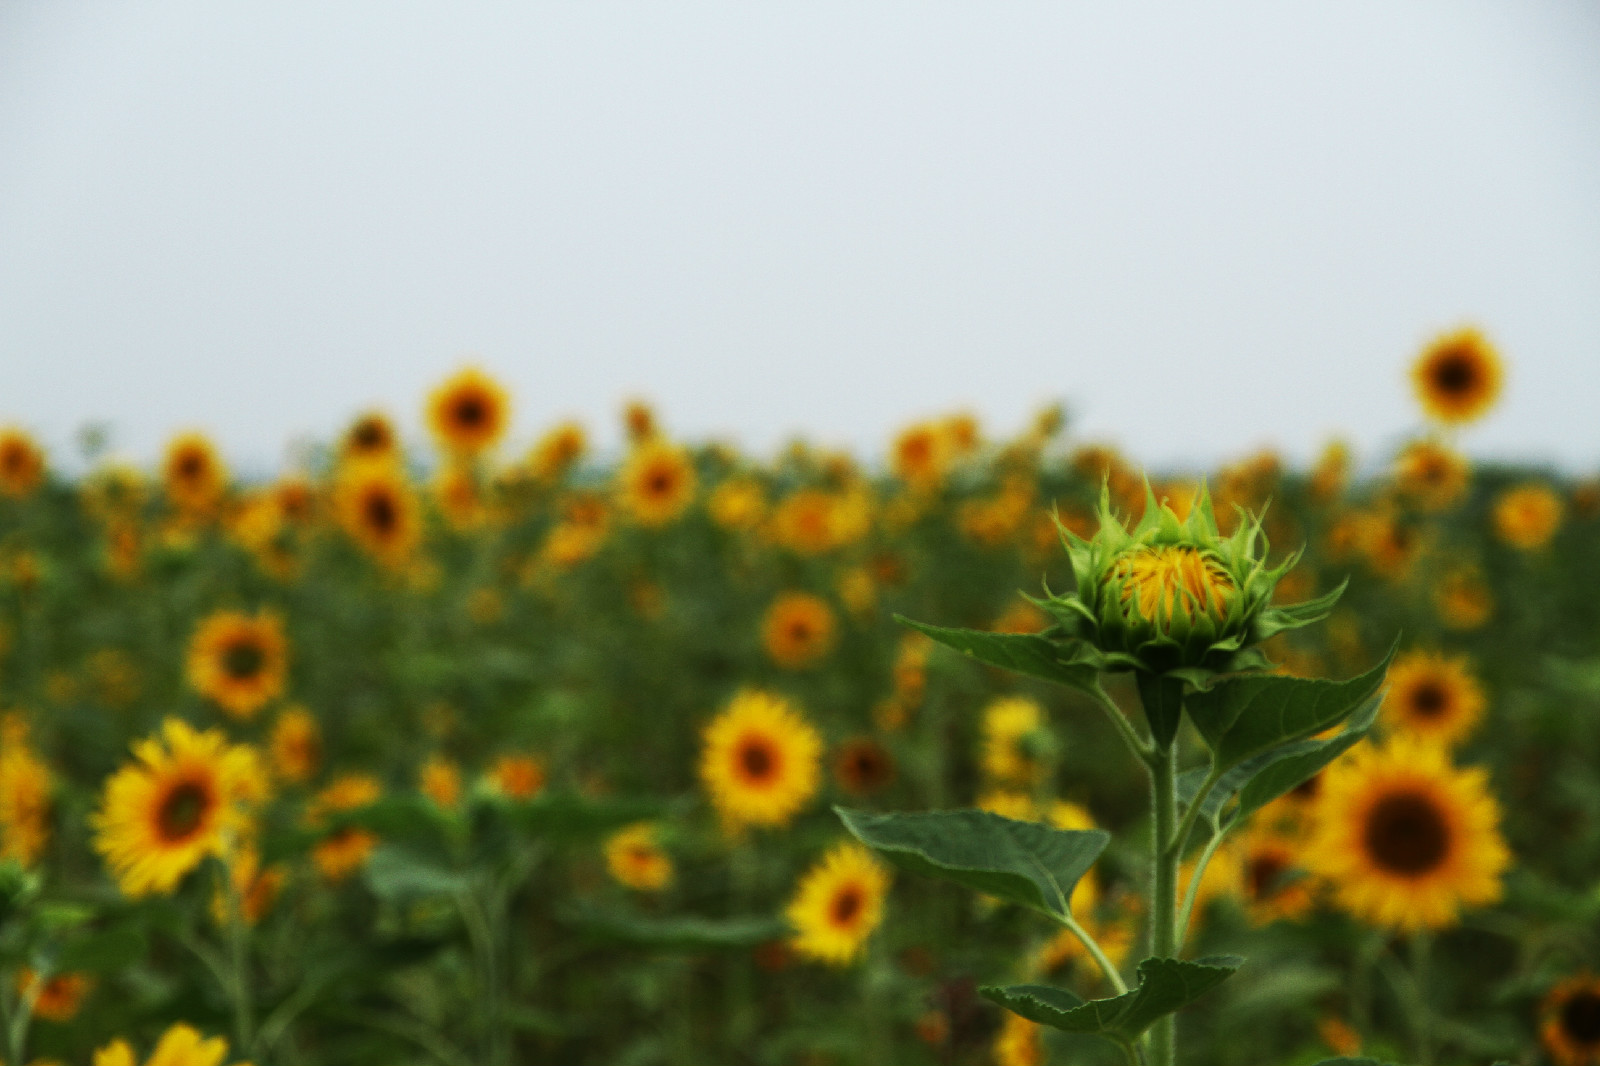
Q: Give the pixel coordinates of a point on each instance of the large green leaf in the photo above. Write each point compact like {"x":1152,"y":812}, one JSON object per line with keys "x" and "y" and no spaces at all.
{"x":1026,"y":653}
{"x":1302,"y":761}
{"x":684,"y":933}
{"x":1165,"y":985}
{"x":1023,"y":862}
{"x":1244,"y":716}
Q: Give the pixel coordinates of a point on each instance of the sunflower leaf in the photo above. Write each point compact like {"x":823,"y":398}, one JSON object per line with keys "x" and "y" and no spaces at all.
{"x":1245,"y":716}
{"x":683,"y":933}
{"x":393,"y":872}
{"x":1071,"y":664}
{"x":1297,"y":763}
{"x":1021,"y":862}
{"x":1165,"y":986}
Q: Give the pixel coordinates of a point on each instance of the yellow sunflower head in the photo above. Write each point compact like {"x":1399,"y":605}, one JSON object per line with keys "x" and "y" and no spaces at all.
{"x":21,"y":463}
{"x":657,"y":483}
{"x":837,"y":905}
{"x":1570,"y":1021}
{"x":1463,"y":600}
{"x":1457,"y":377}
{"x":760,"y":761}
{"x":1527,"y":516}
{"x":1016,"y":743}
{"x":863,"y":766}
{"x":25,"y":790}
{"x":1405,"y":838}
{"x":58,"y":998}
{"x":518,"y":777}
{"x":921,"y":455}
{"x":469,"y":413}
{"x":557,"y":451}
{"x":239,"y":661}
{"x":440,"y":780}
{"x":295,"y":746}
{"x":1432,"y":476}
{"x":378,"y":508}
{"x":187,"y":796}
{"x":194,"y":474}
{"x":180,"y":1045}
{"x":346,"y":849}
{"x":1273,"y":885}
{"x":635,"y":858}
{"x":1433,"y":697}
{"x":738,"y":503}
{"x":639,"y":421}
{"x":798,"y":630}
{"x":370,"y":437}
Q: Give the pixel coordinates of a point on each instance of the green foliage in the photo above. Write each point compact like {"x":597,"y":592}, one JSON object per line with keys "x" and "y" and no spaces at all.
{"x":1164,"y":986}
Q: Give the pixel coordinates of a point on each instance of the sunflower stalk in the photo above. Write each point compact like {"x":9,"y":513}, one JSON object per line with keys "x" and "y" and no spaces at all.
{"x":1164,"y":888}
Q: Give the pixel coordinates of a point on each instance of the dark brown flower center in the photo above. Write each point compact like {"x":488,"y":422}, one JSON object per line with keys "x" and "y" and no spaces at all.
{"x":243,"y":660}
{"x":369,"y":435}
{"x":381,"y":513}
{"x":757,"y":760}
{"x":190,"y":466}
{"x":1428,"y":700}
{"x":182,"y":811}
{"x":471,"y":411}
{"x":1265,"y":873}
{"x":1406,"y":834}
{"x":1454,"y":373}
{"x":659,"y":482}
{"x":800,"y":631}
{"x":847,"y":903}
{"x":1580,"y":1018}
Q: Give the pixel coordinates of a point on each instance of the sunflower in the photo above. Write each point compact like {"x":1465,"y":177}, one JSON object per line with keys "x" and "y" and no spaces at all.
{"x":1433,"y":697}
{"x":639,"y":420}
{"x":1463,"y":600}
{"x":58,"y":998}
{"x":469,"y":412}
{"x":1405,"y":838}
{"x":837,"y":904}
{"x":295,"y":746}
{"x":378,"y":509}
{"x":240,"y":661}
{"x":180,"y":1045}
{"x":1019,"y":1043}
{"x":557,"y":451}
{"x":920,"y":455}
{"x":1526,"y":517}
{"x":738,"y":503}
{"x":372,"y":436}
{"x":254,"y":889}
{"x":193,"y":473}
{"x":862,"y":766}
{"x":1274,"y":888}
{"x":1015,"y":742}
{"x":1570,"y":1027}
{"x":518,"y":777}
{"x":345,"y":850}
{"x":25,"y":787}
{"x":760,"y":760}
{"x":1431,"y":476}
{"x":635,"y":858}
{"x":459,"y":497}
{"x":1165,"y":581}
{"x":1457,"y":377}
{"x":657,"y":483}
{"x":21,"y":463}
{"x":440,"y":780}
{"x":798,"y":630}
{"x":186,"y":797}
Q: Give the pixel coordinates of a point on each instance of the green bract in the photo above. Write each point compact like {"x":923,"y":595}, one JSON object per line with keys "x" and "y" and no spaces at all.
{"x":1173,"y":596}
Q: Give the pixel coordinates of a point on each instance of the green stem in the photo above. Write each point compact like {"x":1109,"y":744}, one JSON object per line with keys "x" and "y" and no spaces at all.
{"x":1421,"y":952}
{"x":483,"y":946}
{"x":1140,"y":747}
{"x":17,"y":1021}
{"x":1181,"y":839}
{"x":1164,"y":891}
{"x":1192,"y":893}
{"x":240,"y":990}
{"x":1093,"y":947}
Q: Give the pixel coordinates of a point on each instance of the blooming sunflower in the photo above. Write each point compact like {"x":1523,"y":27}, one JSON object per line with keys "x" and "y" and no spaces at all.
{"x":1526,"y":517}
{"x":296,"y":745}
{"x":240,"y":661}
{"x":25,"y":787}
{"x":180,"y":1045}
{"x":1405,"y":838}
{"x":1020,"y":1042}
{"x":194,"y":474}
{"x":21,"y":463}
{"x":57,"y":999}
{"x":469,"y":412}
{"x":657,"y":483}
{"x":798,"y":630}
{"x":1463,"y":600}
{"x":345,"y":850}
{"x":920,"y":455}
{"x":517,"y":777}
{"x":837,"y":904}
{"x":760,"y":760}
{"x":1457,"y":377}
{"x":378,"y":509}
{"x":862,"y":766}
{"x":1274,"y":887}
{"x":372,"y":436}
{"x":635,"y":858}
{"x":738,"y":503}
{"x":1014,"y":740}
{"x":440,"y":780}
{"x":1432,"y":476}
{"x":1433,"y":697}
{"x":557,"y":451}
{"x":1570,"y":1026}
{"x":185,"y":798}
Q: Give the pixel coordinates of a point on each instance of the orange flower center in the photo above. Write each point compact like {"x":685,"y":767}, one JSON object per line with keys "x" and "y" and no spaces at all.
{"x":846,"y":905}
{"x":757,"y":760}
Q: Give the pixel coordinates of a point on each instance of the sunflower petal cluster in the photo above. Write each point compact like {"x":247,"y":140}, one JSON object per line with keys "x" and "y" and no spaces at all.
{"x":1174,"y":595}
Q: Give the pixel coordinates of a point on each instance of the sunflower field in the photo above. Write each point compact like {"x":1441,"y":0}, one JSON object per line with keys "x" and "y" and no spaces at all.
{"x":483,"y":754}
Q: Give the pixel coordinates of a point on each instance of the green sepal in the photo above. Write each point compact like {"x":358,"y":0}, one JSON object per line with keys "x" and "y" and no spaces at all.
{"x":1275,"y":620}
{"x":1021,"y":862}
{"x":1165,"y":986}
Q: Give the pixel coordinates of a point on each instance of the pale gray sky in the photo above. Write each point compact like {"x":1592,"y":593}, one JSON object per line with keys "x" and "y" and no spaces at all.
{"x":1205,"y":226}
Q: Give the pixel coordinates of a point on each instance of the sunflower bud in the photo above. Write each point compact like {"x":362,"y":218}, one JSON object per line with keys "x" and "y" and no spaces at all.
{"x":1175,"y":595}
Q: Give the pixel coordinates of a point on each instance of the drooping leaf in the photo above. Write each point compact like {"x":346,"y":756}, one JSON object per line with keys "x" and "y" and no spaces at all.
{"x":1244,"y":716}
{"x":1022,"y":862}
{"x":1026,"y":653}
{"x":1165,"y":986}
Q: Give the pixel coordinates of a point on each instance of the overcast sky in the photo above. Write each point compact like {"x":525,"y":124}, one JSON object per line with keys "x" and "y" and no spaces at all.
{"x":1206,"y":227}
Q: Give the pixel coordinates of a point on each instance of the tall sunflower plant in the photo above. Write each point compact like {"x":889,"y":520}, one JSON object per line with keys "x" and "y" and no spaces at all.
{"x":1184,"y":610}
